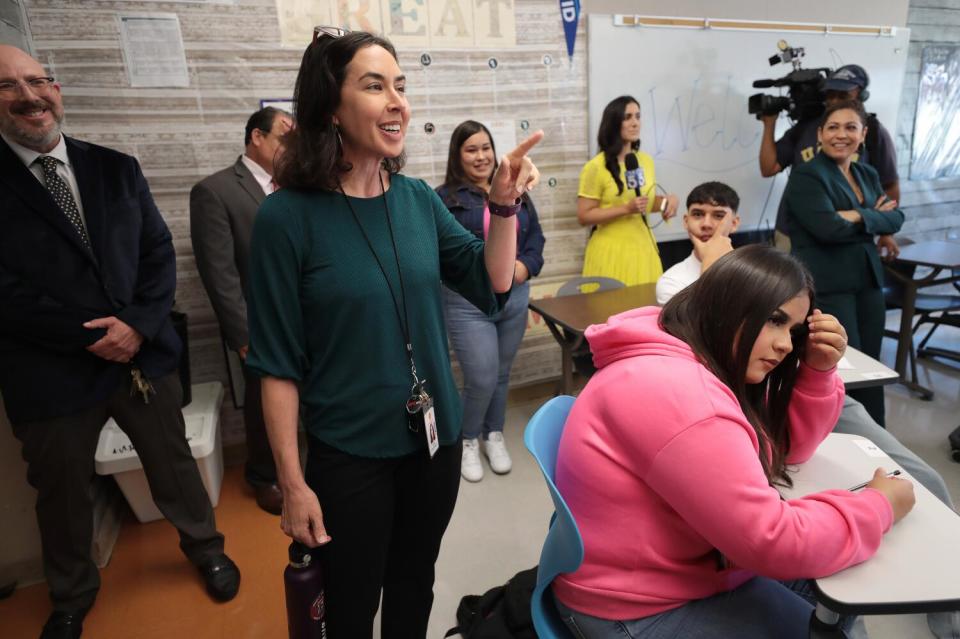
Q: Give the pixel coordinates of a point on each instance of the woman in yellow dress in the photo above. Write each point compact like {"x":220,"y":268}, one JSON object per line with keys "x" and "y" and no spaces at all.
{"x":616,"y":195}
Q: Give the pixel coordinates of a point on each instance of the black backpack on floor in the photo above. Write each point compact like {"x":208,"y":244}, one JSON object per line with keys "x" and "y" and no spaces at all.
{"x":500,"y":613}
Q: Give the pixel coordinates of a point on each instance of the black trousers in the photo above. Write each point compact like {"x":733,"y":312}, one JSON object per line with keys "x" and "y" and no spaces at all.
{"x":60,"y":457}
{"x":386,"y":518}
{"x":863,"y":315}
{"x":260,"y":469}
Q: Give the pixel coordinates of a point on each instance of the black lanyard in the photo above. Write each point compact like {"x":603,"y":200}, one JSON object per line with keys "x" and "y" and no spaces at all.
{"x":403,"y":320}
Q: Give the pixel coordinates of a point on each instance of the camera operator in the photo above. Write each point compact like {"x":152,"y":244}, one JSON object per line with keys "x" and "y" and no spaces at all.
{"x":799,"y":144}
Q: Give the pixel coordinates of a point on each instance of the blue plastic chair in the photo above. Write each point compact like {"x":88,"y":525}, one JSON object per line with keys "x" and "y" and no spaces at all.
{"x":563,"y":548}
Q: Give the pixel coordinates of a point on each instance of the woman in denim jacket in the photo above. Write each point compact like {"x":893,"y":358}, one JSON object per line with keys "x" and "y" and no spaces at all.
{"x":486,"y":345}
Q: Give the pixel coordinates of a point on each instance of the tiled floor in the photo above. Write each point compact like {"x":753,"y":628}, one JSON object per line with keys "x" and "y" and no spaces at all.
{"x":149,"y":590}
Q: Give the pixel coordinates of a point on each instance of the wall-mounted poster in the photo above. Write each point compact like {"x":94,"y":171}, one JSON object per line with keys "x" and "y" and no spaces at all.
{"x":153,"y":50}
{"x":936,"y":130}
{"x":465,"y":24}
{"x":14,"y":28}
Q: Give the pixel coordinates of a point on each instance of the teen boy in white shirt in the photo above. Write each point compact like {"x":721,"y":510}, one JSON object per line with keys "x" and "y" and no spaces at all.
{"x":710,"y":219}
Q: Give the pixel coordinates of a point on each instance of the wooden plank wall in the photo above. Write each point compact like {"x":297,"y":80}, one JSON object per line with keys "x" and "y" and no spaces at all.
{"x":235,"y":59}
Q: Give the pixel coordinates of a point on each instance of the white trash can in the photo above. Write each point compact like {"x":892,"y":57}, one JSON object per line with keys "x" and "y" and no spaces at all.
{"x":116,"y":455}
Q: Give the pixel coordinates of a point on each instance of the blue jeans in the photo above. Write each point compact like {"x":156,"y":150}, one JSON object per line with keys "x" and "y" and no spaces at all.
{"x":485,"y":347}
{"x":759,"y":609}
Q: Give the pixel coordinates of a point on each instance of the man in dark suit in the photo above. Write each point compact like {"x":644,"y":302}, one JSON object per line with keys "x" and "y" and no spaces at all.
{"x":87,"y":278}
{"x":222,"y":208}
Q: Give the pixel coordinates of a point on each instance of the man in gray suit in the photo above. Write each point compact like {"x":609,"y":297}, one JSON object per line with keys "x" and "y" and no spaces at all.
{"x":222,"y":208}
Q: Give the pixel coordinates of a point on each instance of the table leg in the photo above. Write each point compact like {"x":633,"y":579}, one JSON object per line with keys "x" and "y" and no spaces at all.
{"x":825,"y":624}
{"x":567,"y":346}
{"x":905,"y":341}
{"x":566,"y":382}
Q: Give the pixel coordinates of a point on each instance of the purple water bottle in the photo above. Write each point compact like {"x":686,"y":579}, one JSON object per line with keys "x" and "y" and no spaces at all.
{"x":303,"y":582}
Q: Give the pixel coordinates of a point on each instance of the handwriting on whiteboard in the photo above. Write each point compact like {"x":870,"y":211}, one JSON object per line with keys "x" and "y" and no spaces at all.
{"x":705,"y":128}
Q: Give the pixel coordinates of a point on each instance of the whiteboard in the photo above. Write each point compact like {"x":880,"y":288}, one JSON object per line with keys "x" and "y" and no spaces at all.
{"x":693,"y":85}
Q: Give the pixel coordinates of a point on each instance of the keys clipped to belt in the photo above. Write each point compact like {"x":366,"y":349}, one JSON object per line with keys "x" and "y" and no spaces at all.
{"x":141,"y":385}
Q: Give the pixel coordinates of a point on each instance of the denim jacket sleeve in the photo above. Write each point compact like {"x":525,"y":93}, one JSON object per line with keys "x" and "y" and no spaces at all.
{"x":467,"y":205}
{"x":531,"y":240}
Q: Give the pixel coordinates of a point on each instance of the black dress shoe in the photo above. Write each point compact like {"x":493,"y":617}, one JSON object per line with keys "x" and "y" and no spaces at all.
{"x":269,"y":498}
{"x":63,"y":625}
{"x":221,"y":576}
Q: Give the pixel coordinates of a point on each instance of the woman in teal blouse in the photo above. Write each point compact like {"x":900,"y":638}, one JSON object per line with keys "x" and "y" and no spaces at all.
{"x":836,"y":206}
{"x":345,"y":315}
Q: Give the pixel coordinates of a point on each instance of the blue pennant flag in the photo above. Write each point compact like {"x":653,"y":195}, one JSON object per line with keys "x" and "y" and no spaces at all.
{"x":570,"y":14}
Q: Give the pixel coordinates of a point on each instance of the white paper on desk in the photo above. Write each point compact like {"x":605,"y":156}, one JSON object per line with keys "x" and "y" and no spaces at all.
{"x":844,"y":364}
{"x":869,"y":448}
{"x":153,"y":50}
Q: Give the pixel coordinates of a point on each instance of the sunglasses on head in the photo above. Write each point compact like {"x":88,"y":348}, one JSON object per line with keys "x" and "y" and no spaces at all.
{"x":331,"y":32}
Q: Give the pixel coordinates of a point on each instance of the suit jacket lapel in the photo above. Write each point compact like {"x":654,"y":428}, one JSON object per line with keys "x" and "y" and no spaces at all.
{"x":248,"y":182}
{"x":86,"y":168}
{"x":18,"y":178}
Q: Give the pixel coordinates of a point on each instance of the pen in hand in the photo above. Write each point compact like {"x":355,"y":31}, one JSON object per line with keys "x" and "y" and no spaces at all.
{"x":892,"y":473}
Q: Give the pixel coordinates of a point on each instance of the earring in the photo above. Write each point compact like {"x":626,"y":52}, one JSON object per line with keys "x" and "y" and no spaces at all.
{"x":339,"y":138}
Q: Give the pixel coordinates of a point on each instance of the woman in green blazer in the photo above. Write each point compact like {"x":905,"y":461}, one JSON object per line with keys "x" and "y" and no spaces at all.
{"x":836,"y":206}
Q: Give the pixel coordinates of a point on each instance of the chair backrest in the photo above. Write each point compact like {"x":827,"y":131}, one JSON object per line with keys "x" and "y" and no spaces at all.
{"x":588,"y":285}
{"x":563,"y":548}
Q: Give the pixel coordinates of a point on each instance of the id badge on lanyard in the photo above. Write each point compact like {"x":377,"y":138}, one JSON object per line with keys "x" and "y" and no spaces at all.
{"x":421,"y":416}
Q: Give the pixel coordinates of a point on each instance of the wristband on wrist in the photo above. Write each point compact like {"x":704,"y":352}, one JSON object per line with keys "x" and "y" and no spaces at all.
{"x":501,"y":210}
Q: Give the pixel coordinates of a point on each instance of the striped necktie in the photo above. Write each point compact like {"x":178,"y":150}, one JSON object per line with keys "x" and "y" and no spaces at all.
{"x":62,"y":195}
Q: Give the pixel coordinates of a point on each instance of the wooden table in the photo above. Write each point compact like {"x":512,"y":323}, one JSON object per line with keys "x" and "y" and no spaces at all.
{"x":938,"y":256}
{"x":568,"y":317}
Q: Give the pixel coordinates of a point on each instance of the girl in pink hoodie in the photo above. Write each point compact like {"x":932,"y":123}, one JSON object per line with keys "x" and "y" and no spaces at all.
{"x":670,"y":456}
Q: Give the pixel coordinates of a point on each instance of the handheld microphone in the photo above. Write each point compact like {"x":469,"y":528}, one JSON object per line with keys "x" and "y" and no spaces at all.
{"x":636,"y":179}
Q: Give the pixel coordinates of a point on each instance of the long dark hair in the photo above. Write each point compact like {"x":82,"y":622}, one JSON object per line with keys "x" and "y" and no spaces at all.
{"x":313,"y":157}
{"x":609,"y":138}
{"x":720,"y":317}
{"x":456,"y":176}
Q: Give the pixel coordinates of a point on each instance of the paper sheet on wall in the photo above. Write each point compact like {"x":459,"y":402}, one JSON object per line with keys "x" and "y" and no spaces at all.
{"x":282,"y":104}
{"x":504,"y":134}
{"x":153,"y":50}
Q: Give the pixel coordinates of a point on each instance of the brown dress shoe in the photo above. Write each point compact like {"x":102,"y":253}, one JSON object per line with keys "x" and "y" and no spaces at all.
{"x":269,"y":498}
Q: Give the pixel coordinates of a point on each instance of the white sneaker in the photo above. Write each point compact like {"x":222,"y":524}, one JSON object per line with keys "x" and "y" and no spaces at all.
{"x":470,"y":466}
{"x":496,"y":451}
